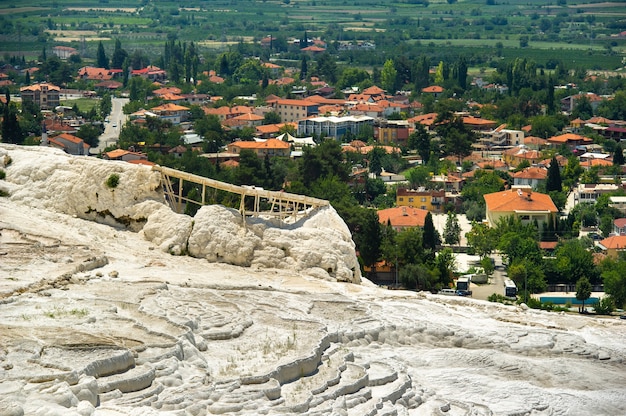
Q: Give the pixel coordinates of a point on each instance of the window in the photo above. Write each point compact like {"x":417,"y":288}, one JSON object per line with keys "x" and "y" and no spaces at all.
{"x":423,"y":199}
{"x":524,"y":217}
{"x":410,"y":199}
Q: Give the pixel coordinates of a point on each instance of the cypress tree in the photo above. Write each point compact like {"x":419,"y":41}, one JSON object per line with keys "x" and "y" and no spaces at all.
{"x":553,"y":182}
{"x":431,"y":237}
{"x":618,"y":156}
{"x":101,"y":58}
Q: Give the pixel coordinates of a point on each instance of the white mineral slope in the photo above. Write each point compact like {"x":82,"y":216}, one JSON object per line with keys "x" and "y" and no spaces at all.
{"x":103,"y":320}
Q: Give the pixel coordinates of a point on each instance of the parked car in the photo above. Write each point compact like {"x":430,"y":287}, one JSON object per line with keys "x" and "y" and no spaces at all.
{"x":595,"y":236}
{"x":464,"y":292}
{"x":449,"y":292}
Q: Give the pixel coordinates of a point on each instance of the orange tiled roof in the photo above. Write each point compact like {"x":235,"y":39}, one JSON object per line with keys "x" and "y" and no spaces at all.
{"x":476,"y":121}
{"x":169,"y":107}
{"x":38,"y":87}
{"x":248,"y":117}
{"x":270,"y":65}
{"x":267,"y":144}
{"x":373,"y":90}
{"x":313,"y":49}
{"x":433,"y":89}
{"x":425,"y":119}
{"x":268,"y":128}
{"x":69,"y":138}
{"x":116,"y":154}
{"x":532,"y":173}
{"x":91,"y":72}
{"x":304,"y":103}
{"x":512,"y":201}
{"x":535,"y":141}
{"x":569,"y":137}
{"x":614,"y":242}
{"x":167,"y":90}
{"x":595,"y":162}
{"x":403,"y":216}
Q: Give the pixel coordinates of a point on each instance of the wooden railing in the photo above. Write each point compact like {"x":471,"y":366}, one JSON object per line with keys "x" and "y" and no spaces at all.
{"x":281,"y":204}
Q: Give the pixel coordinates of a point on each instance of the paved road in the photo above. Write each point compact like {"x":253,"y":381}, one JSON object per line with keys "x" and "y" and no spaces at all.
{"x":112,"y":128}
{"x":495,"y":285}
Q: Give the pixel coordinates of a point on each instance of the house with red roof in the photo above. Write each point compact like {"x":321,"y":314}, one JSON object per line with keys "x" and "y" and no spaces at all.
{"x":108,"y":85}
{"x":313,"y":50}
{"x":69,"y":144}
{"x":531,"y":177}
{"x":569,"y":103}
{"x":91,"y":73}
{"x":125,"y":155}
{"x":426,"y":120}
{"x":619,"y":226}
{"x":613,"y":245}
{"x":524,"y":204}
{"x":171,"y":112}
{"x":477,"y":123}
{"x":244,"y":120}
{"x":402,"y":218}
{"x":434,"y":90}
{"x":516,"y":155}
{"x":47,"y":96}
{"x":64,"y":52}
{"x":151,"y":72}
{"x":570,"y":140}
{"x":271,"y":147}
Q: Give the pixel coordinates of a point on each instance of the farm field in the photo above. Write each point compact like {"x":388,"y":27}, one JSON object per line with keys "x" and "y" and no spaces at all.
{"x":583,"y":31}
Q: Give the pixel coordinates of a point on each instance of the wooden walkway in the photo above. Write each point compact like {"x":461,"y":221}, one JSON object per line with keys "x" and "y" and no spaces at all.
{"x":283,"y":205}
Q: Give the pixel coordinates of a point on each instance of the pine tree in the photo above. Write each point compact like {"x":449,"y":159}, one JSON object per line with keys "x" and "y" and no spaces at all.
{"x":553,"y":181}
{"x":452,"y":231}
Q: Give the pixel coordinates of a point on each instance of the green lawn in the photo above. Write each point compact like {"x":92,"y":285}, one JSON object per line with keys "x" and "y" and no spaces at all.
{"x":84,"y":104}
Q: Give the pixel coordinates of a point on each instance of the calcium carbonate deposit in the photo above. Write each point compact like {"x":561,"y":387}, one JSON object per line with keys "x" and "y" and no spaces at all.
{"x":112,"y":304}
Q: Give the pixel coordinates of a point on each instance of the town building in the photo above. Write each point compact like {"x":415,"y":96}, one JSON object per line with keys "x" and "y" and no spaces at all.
{"x":430,"y":200}
{"x":270,"y":147}
{"x":334,"y":127}
{"x":524,"y":204}
{"x":294,"y":110}
{"x":532,"y":177}
{"x":47,"y":96}
{"x":402,"y":218}
{"x":69,"y":144}
{"x":613,"y":245}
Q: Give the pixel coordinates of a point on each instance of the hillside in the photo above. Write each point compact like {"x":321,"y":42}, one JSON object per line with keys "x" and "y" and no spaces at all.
{"x":100,"y":319}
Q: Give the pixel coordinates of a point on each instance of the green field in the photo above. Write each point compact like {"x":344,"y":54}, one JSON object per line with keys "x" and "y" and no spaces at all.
{"x":584,"y":32}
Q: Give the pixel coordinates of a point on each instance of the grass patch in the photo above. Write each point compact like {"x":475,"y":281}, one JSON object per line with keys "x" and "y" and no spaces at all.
{"x":60,"y":312}
{"x":84,"y":104}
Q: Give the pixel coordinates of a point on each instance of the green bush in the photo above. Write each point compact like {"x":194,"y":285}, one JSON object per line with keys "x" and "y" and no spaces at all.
{"x":113,"y":180}
{"x":2,"y":174}
{"x":605,"y":306}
